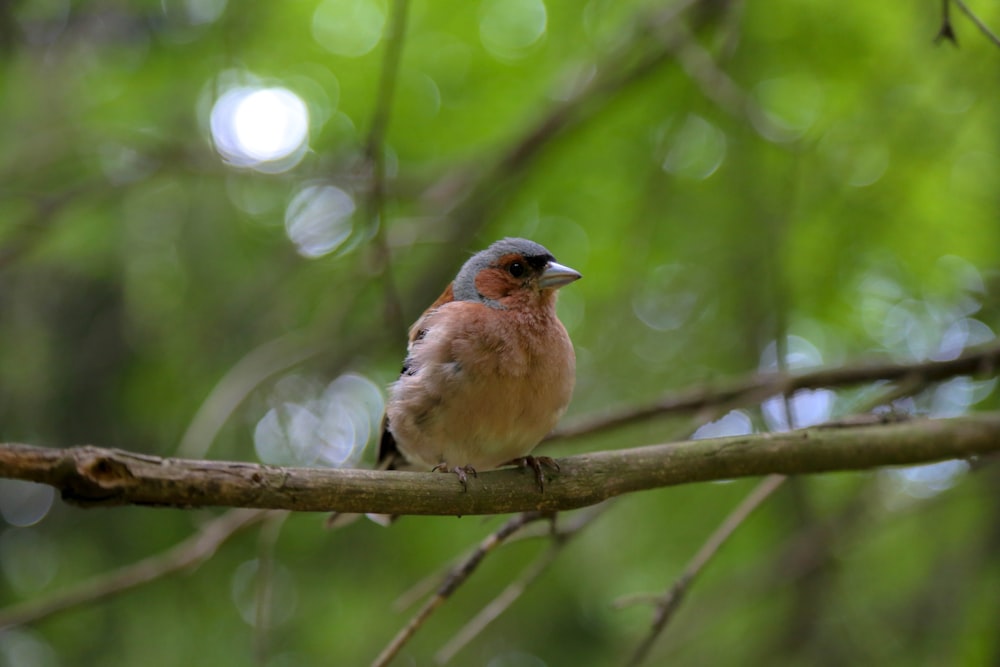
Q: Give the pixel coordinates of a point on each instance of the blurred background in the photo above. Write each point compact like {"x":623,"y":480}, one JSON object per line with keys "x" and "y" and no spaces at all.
{"x":217,"y":220}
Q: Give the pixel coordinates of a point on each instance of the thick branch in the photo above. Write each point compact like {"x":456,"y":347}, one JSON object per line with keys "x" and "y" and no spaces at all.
{"x":96,"y":476}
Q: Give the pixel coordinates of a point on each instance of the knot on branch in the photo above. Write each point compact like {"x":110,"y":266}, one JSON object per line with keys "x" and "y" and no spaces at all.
{"x":95,"y":476}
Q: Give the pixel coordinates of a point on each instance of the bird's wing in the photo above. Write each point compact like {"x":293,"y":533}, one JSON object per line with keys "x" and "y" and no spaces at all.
{"x":388,"y":451}
{"x":418,"y":328}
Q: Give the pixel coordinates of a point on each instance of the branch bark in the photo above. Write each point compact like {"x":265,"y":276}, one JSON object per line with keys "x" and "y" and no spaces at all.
{"x":95,"y":476}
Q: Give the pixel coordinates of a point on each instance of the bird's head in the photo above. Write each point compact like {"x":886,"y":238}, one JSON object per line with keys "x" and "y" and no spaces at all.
{"x":512,"y":273}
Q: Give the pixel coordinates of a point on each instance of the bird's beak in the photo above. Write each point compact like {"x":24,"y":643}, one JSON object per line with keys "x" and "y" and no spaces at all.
{"x":556,"y":275}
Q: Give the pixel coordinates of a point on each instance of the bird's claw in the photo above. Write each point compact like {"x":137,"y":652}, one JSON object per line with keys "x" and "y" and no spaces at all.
{"x":536,"y":463}
{"x":462,"y":472}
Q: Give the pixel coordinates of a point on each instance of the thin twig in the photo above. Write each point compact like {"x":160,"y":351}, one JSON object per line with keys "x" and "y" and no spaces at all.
{"x":498,"y":605}
{"x":261,"y":363}
{"x":715,"y":84}
{"x":983,"y":28}
{"x":668,"y":603}
{"x":458,"y":575}
{"x":387,"y":82}
{"x":566,"y":531}
{"x":375,"y":153}
{"x":264,"y":595}
{"x":187,"y":554}
{"x":947,"y":30}
{"x":424,"y":586}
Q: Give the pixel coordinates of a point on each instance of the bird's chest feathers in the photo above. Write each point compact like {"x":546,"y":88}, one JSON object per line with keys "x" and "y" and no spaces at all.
{"x":498,"y":383}
{"x":514,"y":347}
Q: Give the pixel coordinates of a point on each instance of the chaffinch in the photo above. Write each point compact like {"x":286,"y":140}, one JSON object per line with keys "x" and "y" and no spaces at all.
{"x":489,"y":370}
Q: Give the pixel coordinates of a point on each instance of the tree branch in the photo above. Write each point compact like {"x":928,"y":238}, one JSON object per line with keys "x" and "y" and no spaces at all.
{"x":560,"y":535}
{"x":670,"y":601}
{"x":974,"y":361}
{"x":94,"y":476}
{"x":456,"y":577}
{"x":947,"y":30}
{"x":983,"y":28}
{"x":187,"y":554}
{"x":375,"y":154}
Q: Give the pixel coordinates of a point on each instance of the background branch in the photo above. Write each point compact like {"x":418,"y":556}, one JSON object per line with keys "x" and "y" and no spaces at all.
{"x":375,"y":153}
{"x":187,"y":554}
{"x":560,"y":535}
{"x":456,"y":577}
{"x":669,"y":602}
{"x":983,"y":28}
{"x":975,"y":361}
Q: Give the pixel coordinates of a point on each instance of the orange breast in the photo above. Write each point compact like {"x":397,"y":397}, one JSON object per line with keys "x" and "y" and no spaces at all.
{"x":490,"y":385}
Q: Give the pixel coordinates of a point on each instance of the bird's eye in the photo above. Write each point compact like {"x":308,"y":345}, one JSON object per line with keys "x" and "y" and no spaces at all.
{"x":516,"y":269}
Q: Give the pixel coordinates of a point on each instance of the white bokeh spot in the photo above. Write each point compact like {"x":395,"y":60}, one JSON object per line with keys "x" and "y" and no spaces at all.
{"x":262,"y":128}
{"x":327,"y":426}
{"x":319,"y":219}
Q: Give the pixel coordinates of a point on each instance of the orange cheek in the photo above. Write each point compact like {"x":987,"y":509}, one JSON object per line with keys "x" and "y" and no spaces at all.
{"x":495,"y":283}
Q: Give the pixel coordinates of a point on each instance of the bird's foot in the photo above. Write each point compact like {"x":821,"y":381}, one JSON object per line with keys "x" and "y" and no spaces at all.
{"x":535,"y":463}
{"x":462,"y":472}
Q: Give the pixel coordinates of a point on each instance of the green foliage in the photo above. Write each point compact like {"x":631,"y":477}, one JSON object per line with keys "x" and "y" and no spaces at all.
{"x":830,"y":174}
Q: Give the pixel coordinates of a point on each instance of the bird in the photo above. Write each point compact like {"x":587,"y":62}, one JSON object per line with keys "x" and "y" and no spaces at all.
{"x":489,"y":368}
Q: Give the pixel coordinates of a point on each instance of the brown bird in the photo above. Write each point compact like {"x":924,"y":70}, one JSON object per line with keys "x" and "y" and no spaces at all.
{"x":489,"y":370}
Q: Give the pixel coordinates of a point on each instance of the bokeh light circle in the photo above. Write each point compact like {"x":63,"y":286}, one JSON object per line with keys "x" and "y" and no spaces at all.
{"x":319,"y":219}
{"x":263,"y":128}
{"x":349,"y":28}
{"x":24,"y":503}
{"x":508,"y":29}
{"x":310,"y":425}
